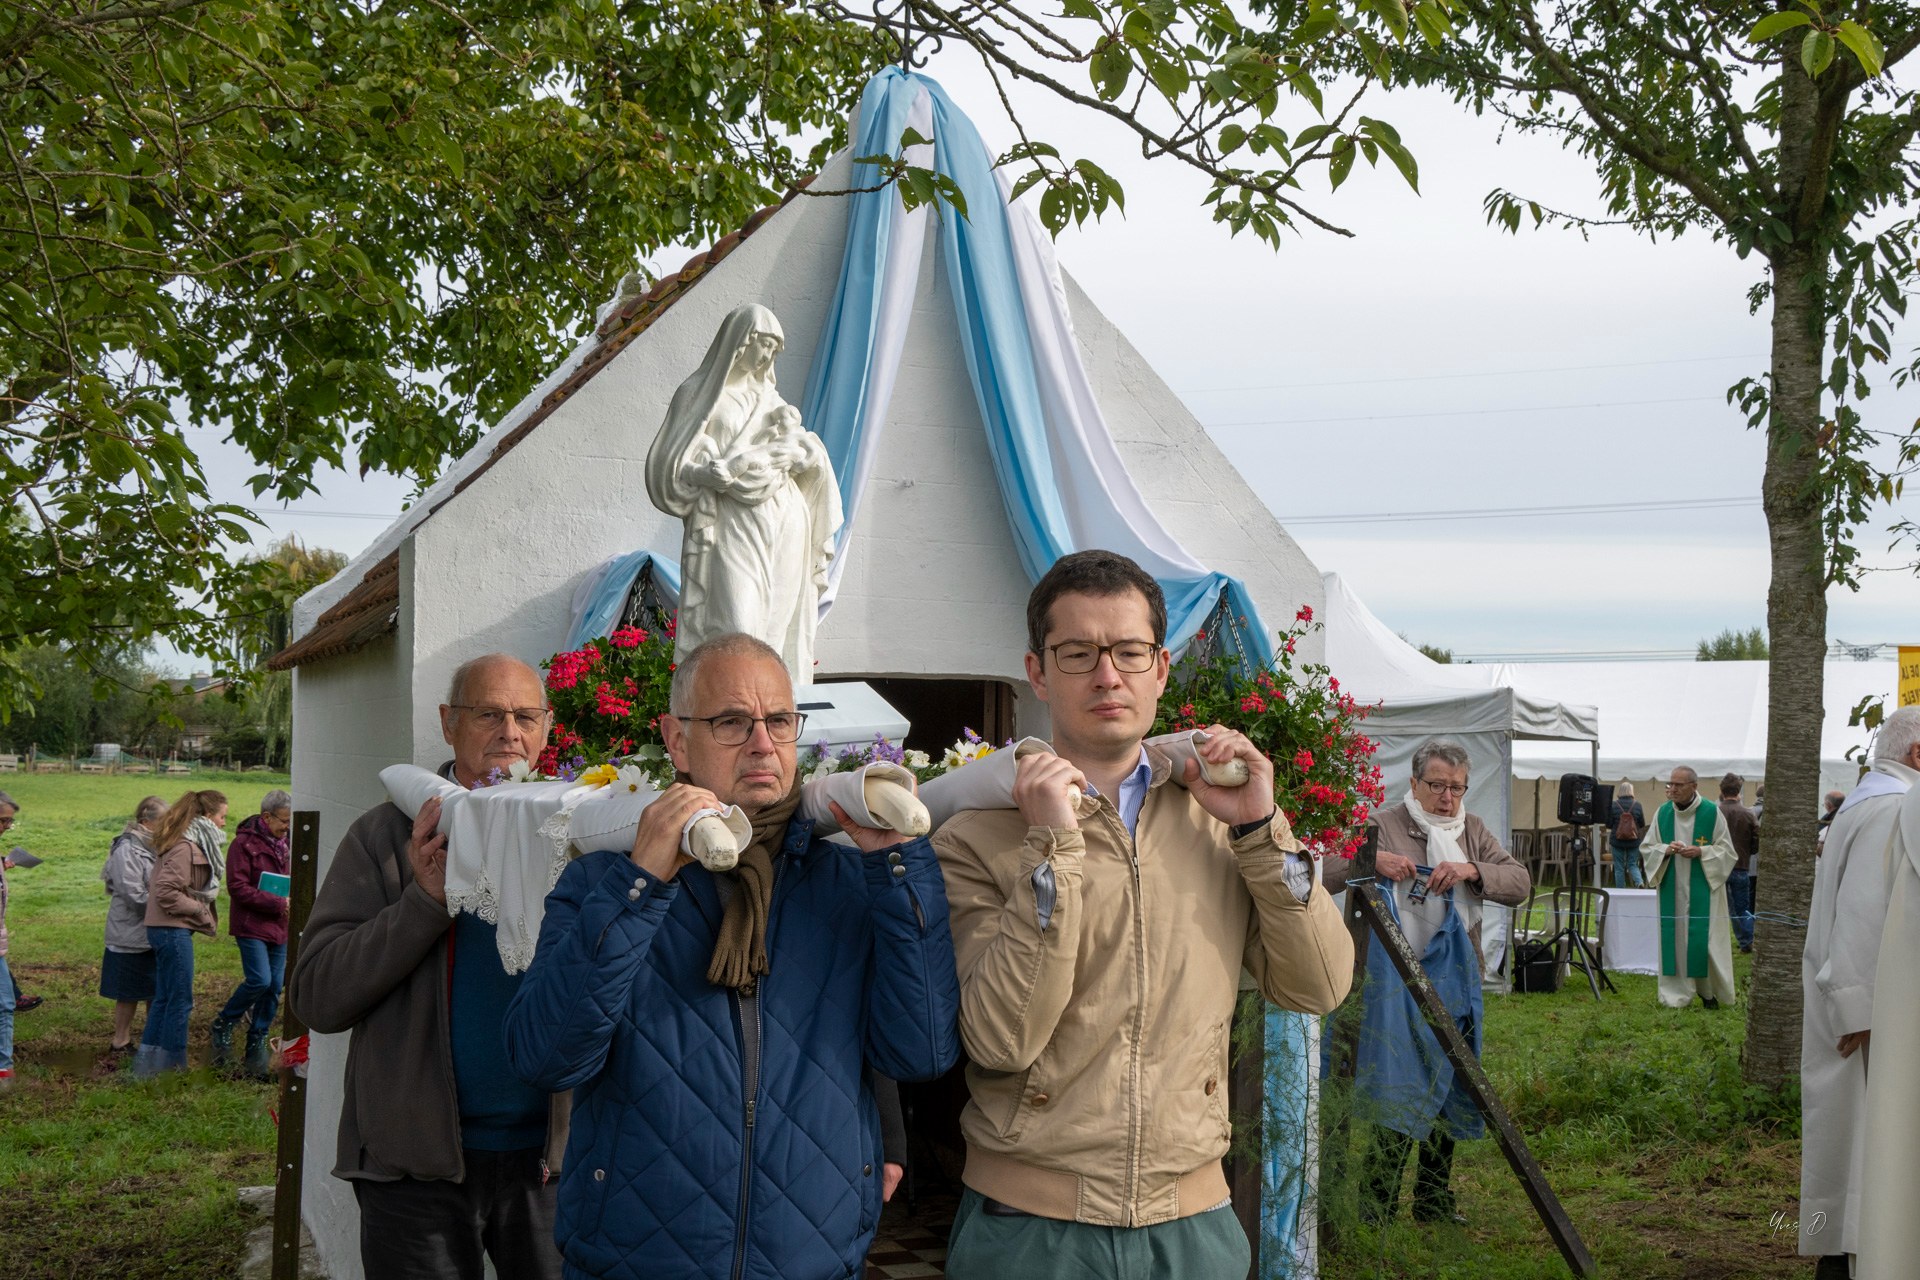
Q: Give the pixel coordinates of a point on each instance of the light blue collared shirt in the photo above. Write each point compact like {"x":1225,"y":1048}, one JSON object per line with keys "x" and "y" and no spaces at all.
{"x":1133,"y":792}
{"x":1133,"y":796}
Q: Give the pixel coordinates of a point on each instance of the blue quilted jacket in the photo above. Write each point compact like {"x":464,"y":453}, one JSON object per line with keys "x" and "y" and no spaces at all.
{"x":672,"y":1169}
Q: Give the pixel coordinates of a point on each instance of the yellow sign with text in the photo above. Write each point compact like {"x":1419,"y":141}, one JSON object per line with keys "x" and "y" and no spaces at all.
{"x":1910,"y":675}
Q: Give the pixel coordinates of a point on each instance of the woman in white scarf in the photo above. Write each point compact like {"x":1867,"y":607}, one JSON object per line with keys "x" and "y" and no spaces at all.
{"x":1432,"y":829}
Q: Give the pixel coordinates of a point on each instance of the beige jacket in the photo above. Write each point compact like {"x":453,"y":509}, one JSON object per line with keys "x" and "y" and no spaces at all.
{"x":1098,"y":1046}
{"x":180,"y":875}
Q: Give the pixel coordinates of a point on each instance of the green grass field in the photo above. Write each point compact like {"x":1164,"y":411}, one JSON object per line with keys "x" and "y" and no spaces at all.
{"x":1668,"y":1165}
{"x":106,"y":1177}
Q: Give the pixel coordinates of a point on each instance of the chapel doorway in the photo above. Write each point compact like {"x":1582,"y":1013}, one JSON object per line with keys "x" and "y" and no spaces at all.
{"x":939,"y":710}
{"x":913,"y":1231}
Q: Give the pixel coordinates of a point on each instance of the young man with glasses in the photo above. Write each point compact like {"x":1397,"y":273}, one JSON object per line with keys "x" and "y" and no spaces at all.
{"x":449,"y":1154}
{"x":1689,"y":856}
{"x":1101,"y":929}
{"x":1431,"y":830}
{"x":718,"y":1029}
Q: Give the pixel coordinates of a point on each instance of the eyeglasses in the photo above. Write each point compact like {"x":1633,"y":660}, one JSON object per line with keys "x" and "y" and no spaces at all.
{"x":527,"y":719}
{"x":1445,"y":788}
{"x":732,"y":731}
{"x":1077,"y":657}
{"x":6,"y":823}
{"x":1675,"y":786}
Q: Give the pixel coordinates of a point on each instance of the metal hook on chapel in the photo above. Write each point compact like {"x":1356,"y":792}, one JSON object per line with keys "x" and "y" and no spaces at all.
{"x":915,"y":48}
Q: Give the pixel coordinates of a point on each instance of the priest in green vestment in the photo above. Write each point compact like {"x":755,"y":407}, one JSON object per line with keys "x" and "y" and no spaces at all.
{"x":1688,"y":854}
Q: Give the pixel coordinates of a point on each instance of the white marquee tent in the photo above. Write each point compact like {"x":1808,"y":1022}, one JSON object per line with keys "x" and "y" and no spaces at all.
{"x":1478,"y":706}
{"x":1710,"y":715}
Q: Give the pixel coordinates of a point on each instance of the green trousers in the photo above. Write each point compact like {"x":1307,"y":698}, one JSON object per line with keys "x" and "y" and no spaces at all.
{"x":985,"y":1246}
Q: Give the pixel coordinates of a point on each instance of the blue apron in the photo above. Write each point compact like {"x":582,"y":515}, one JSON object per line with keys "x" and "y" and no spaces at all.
{"x":1403,"y":1080}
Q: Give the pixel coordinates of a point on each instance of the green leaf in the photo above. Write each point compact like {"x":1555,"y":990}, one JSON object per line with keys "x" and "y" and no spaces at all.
{"x":1342,"y":162}
{"x":1816,"y":52}
{"x":1774,"y":23}
{"x":1403,"y":161}
{"x":1112,"y":67}
{"x":1103,"y":185}
{"x":1231,"y":139}
{"x":1317,"y":27}
{"x":1171,"y":77}
{"x":1053,"y":210}
{"x":1863,"y":45}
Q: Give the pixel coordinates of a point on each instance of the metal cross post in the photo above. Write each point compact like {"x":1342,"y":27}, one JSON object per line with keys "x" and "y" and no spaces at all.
{"x":291,"y":1150}
{"x":1367,"y":913}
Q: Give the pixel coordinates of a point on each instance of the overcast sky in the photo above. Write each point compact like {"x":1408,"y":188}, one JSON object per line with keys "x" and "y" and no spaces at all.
{"x":1433,"y":364}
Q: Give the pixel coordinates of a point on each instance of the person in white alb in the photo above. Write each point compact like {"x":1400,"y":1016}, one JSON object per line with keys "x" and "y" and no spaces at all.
{"x":1837,"y":971}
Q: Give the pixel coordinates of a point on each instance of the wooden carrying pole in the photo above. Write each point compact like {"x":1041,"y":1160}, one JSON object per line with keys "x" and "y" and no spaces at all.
{"x":1367,"y":913}
{"x":293,"y":1084}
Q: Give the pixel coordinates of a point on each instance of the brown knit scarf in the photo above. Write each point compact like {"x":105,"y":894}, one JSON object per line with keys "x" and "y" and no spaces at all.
{"x":740,"y":952}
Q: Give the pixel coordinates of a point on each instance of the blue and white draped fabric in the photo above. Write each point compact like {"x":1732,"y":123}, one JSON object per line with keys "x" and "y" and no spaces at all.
{"x":1062,"y":481}
{"x":1402,"y":1075}
{"x":602,"y":594}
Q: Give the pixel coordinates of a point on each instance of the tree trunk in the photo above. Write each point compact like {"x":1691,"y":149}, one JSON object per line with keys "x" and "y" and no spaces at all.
{"x":1797,"y":639}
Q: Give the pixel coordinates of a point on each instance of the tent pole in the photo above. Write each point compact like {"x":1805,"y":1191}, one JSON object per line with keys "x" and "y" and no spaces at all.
{"x":1596,"y":844}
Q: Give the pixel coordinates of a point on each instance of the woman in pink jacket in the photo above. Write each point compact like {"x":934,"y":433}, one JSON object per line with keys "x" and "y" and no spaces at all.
{"x":258,"y":923}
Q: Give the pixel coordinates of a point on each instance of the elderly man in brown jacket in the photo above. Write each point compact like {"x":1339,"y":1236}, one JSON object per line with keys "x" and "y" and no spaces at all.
{"x":1432,"y":830}
{"x":1100,"y":930}
{"x":450,"y":1156}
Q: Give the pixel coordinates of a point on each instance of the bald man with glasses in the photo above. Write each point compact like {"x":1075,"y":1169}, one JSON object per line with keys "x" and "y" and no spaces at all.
{"x":449,"y":1154}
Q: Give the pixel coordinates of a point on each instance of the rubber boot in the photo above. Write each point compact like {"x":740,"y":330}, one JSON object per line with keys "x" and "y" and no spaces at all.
{"x":255,"y":1065}
{"x":221,"y":1035}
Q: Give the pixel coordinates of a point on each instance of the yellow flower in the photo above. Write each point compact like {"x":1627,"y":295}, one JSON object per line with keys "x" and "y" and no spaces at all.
{"x":599,"y":776}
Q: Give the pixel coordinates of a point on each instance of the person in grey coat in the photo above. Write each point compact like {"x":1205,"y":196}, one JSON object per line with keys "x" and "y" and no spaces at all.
{"x":452,"y":1159}
{"x":126,"y":966}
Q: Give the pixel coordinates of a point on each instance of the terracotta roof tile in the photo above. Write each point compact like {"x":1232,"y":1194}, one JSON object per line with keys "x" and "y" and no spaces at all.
{"x":364,"y":614}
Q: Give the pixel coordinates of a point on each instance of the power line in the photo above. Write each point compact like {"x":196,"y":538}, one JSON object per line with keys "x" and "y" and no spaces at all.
{"x":1502,"y":513}
{"x":1491,"y":373}
{"x":1467,"y":413}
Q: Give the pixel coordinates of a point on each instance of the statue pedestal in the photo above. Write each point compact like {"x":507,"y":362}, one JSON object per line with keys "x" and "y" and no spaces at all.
{"x":846,"y":714}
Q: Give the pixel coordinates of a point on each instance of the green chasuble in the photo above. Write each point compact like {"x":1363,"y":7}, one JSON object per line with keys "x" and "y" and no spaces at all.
{"x":1699,"y":896}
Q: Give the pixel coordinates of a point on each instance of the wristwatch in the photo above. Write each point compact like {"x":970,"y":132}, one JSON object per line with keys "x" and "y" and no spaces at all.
{"x":1239,"y":829}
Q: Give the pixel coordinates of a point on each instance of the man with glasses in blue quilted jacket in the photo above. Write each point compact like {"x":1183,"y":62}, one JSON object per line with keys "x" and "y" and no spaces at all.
{"x":719,"y":1031}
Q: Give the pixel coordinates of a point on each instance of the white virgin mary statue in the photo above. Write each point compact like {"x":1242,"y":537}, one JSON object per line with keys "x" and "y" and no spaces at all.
{"x":756,"y":495}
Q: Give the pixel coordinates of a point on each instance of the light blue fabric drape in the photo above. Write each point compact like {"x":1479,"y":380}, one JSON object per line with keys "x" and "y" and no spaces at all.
{"x":995,"y":338}
{"x":604,"y":595}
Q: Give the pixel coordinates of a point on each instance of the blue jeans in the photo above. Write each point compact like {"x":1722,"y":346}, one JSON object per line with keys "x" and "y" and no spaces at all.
{"x":1626,"y":863}
{"x":163,"y":1044}
{"x":265,"y":965}
{"x":1740,"y":906}
{"x":6,"y":1016}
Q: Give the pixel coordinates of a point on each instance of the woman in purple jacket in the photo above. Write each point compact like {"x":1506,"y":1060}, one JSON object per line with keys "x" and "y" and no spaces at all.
{"x":258,"y":922}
